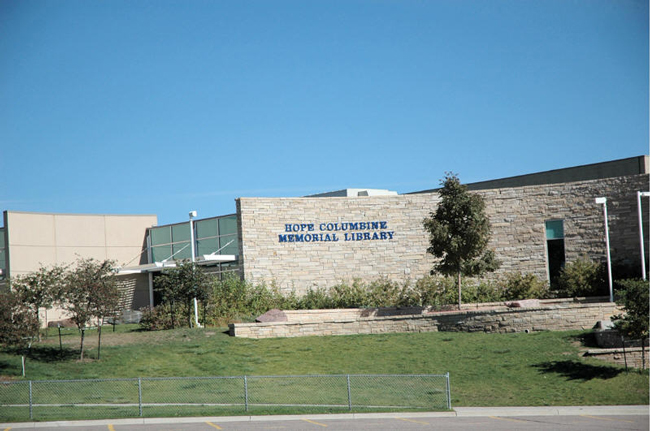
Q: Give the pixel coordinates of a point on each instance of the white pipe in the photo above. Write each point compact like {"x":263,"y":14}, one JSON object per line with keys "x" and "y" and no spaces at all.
{"x":640,"y":211}
{"x":193,"y":254}
{"x":609,"y":259}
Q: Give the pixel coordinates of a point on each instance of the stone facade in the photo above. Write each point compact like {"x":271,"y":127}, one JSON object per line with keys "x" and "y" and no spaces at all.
{"x":558,"y":316}
{"x":398,"y":250}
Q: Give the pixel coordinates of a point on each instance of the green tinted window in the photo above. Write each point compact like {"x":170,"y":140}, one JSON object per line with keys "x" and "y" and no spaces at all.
{"x":555,"y":229}
{"x":182,"y":250}
{"x":206,"y":228}
{"x":227,"y":225}
{"x":160,"y":253}
{"x":2,"y":237}
{"x":181,"y":232}
{"x":229,"y":244}
{"x":207,"y":246}
{"x":160,"y":235}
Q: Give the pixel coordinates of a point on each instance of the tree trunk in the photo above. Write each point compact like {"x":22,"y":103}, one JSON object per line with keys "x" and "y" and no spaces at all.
{"x":99,"y":340}
{"x":81,"y":357}
{"x":459,"y":291}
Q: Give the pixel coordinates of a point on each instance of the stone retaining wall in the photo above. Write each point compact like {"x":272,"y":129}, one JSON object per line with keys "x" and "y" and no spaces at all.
{"x":547,"y":317}
{"x":631,"y":355}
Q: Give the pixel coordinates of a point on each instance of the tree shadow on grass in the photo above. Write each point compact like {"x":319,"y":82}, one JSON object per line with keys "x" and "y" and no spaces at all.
{"x":45,"y":353}
{"x":576,"y":370}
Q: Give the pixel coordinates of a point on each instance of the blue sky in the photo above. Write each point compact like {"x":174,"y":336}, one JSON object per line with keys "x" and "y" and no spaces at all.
{"x":161,"y":107}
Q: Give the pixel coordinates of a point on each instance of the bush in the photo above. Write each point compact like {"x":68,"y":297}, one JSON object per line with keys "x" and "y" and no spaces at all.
{"x":160,"y":317}
{"x":582,"y":277}
{"x":524,"y":286}
{"x":315,"y":299}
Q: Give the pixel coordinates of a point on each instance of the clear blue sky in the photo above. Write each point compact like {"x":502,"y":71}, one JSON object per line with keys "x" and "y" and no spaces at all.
{"x":162,"y":107}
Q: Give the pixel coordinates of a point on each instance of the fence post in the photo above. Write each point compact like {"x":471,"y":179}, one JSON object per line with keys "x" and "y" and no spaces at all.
{"x":349,"y":394}
{"x":140,"y":395}
{"x":31,"y":407}
{"x":246,"y":393}
{"x":448,"y":393}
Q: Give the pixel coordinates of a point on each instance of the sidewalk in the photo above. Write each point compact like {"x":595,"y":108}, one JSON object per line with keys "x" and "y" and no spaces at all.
{"x":457,"y":412}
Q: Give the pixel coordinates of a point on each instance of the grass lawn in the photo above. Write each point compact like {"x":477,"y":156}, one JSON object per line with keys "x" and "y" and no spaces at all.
{"x":536,"y":369}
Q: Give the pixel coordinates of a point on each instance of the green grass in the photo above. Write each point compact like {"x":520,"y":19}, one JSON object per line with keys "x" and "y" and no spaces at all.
{"x":536,"y":369}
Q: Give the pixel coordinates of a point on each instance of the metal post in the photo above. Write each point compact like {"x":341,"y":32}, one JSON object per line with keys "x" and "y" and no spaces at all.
{"x":609,"y":258}
{"x":246,"y":393}
{"x":140,"y":395}
{"x":193,"y":255}
{"x":349,"y":394}
{"x":31,"y":406}
{"x":448,"y":393}
{"x":640,"y":211}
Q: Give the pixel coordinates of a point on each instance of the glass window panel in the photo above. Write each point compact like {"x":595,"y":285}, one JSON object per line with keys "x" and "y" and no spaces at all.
{"x":181,"y":232}
{"x":182,"y":250}
{"x":232,"y":248}
{"x":2,"y":259}
{"x":160,"y":253}
{"x":2,"y":238}
{"x":227,"y":225}
{"x":207,"y":228}
{"x":555,"y":229}
{"x":160,"y":235}
{"x":207,"y":246}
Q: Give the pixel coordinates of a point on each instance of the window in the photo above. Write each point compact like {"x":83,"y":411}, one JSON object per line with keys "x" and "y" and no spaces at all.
{"x":217,"y":235}
{"x":554,"y":248}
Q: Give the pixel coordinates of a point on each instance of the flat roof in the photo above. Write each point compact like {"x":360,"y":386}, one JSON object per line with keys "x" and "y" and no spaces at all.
{"x":615,"y":168}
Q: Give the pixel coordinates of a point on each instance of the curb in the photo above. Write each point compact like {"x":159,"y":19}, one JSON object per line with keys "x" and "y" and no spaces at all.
{"x":637,"y":410}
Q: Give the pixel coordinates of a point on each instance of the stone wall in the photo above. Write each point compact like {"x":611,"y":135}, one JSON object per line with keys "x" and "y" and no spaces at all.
{"x":559,"y":316}
{"x":398,"y":250}
{"x":631,"y":356}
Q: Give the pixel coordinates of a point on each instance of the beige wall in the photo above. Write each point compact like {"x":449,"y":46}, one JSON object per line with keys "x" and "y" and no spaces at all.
{"x":39,"y":239}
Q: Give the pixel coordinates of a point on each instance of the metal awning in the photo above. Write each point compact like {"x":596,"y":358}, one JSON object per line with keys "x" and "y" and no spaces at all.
{"x":204,"y":260}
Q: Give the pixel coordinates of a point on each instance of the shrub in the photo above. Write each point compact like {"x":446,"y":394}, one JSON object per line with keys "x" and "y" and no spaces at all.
{"x":160,"y":317}
{"x":315,"y":299}
{"x":524,"y":286}
{"x":582,"y":277}
{"x":344,"y":295}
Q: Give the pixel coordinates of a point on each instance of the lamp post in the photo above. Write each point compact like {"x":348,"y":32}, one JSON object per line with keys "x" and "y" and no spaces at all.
{"x":603,"y":201}
{"x":639,"y":209}
{"x":193,"y":256}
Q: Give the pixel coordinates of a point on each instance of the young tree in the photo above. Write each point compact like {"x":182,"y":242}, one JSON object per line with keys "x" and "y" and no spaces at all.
{"x":183,"y":284}
{"x":634,"y":324}
{"x":18,"y":323}
{"x":459,"y":233}
{"x":89,"y":290}
{"x":39,"y":289}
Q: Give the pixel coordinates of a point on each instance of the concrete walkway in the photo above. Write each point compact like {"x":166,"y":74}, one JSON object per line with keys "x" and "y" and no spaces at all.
{"x":457,"y":412}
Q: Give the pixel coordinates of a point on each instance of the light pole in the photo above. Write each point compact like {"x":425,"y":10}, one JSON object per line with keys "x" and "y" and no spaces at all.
{"x":193,"y":255}
{"x":603,"y":201}
{"x":639,"y":209}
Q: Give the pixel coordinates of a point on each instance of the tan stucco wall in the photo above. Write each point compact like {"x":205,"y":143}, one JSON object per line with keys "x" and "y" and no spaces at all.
{"x":39,"y":239}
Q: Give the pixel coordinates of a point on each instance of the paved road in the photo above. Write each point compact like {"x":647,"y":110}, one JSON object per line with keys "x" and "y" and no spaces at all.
{"x":566,"y":418}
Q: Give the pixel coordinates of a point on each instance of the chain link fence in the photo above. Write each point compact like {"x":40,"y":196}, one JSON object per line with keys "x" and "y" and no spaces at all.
{"x":213,"y":396}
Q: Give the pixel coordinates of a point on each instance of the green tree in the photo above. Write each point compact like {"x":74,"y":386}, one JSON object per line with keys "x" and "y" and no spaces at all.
{"x":39,"y":289}
{"x":182,"y":284}
{"x":18,"y":323}
{"x":633,"y":297}
{"x":89,"y":290}
{"x":459,"y":233}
